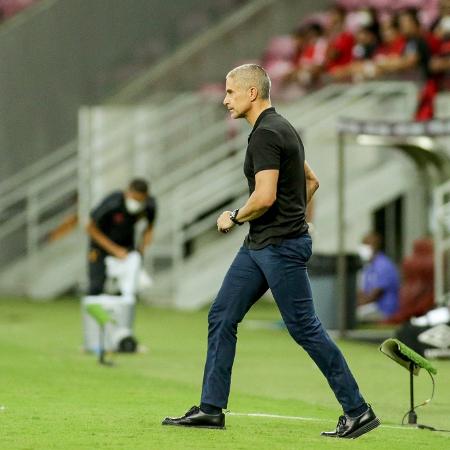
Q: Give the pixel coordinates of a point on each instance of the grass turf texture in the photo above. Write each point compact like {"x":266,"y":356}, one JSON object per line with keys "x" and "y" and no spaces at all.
{"x":57,"y":397}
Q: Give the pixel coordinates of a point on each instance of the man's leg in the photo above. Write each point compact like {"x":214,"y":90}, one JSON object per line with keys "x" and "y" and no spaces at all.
{"x":243,"y":285}
{"x":284,"y":267}
{"x":97,"y":272}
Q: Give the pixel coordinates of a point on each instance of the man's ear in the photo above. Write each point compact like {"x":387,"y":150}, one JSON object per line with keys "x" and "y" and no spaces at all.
{"x":253,"y":94}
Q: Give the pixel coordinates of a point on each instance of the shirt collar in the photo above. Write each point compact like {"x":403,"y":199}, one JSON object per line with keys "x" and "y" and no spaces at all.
{"x":260,"y":117}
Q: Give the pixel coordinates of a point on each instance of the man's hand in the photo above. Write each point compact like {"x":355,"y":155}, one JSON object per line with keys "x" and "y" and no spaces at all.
{"x":120,"y":252}
{"x":224,"y":223}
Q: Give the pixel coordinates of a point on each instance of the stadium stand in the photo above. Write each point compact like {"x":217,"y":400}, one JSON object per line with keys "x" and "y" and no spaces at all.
{"x":360,"y":41}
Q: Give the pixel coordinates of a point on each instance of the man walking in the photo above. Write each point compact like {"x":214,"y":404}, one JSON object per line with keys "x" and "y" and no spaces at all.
{"x":274,"y":255}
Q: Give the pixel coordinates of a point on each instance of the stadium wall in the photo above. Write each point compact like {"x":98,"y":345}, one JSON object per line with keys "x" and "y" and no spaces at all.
{"x":56,"y":53}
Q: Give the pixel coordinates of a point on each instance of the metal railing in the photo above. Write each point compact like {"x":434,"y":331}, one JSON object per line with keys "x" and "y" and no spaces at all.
{"x":442,"y":244}
{"x":35,"y":201}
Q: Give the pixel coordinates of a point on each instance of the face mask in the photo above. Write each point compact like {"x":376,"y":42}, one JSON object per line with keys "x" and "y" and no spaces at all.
{"x":364,"y":18}
{"x":365,"y":252}
{"x":133,"y":206}
{"x":445,"y":25}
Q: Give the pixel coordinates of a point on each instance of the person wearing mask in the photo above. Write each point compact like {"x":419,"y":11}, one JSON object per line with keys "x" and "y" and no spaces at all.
{"x":111,"y":230}
{"x":340,"y":41}
{"x":378,"y":298}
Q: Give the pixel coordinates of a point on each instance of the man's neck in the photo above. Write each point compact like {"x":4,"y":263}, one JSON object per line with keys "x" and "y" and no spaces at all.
{"x":255,"y":112}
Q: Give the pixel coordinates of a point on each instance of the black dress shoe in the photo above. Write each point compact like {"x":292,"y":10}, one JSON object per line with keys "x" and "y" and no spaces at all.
{"x":353,"y":427}
{"x":195,"y":417}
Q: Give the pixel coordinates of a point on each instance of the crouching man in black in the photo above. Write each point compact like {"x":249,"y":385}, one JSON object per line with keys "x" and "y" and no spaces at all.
{"x":112,"y":229}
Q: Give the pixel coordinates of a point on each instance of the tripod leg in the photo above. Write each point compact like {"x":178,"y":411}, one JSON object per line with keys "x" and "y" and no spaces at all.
{"x":412,"y":416}
{"x":101,"y":356}
{"x":102,"y":352}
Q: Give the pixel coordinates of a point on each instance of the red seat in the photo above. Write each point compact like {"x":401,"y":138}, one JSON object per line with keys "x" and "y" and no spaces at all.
{"x":417,"y":290}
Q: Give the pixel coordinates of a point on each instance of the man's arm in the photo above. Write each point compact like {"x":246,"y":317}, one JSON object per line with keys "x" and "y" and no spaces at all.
{"x":370,"y":297}
{"x":439,"y":64}
{"x":262,"y":198}
{"x":104,"y":242}
{"x":398,"y":63}
{"x":312,"y":182}
{"x":147,"y":238}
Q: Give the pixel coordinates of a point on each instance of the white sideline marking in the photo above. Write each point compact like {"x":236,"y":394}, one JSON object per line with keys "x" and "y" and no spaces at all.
{"x":308,"y":419}
{"x":277,"y":416}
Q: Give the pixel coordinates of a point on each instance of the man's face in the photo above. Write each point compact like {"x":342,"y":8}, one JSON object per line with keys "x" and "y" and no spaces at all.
{"x":135,"y":201}
{"x":407,"y":25}
{"x":237,"y":99}
{"x":388,"y":33}
{"x":140,"y":197}
{"x":334,"y":19}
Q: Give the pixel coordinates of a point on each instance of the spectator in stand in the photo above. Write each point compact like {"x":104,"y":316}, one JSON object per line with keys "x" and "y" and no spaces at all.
{"x":433,"y":38}
{"x":378,"y":299}
{"x":367,"y":17}
{"x":315,"y":49}
{"x":310,"y":59}
{"x":366,"y":45}
{"x":415,"y":57}
{"x":392,"y":41}
{"x":299,"y":35}
{"x":340,"y":41}
{"x":440,"y":63}
{"x":416,"y":53}
{"x":392,"y":45}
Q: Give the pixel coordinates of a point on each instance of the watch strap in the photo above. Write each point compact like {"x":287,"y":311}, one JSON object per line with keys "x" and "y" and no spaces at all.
{"x":233,"y":216}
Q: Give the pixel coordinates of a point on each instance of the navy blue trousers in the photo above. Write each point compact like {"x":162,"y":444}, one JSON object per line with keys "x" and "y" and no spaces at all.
{"x":282,"y":268}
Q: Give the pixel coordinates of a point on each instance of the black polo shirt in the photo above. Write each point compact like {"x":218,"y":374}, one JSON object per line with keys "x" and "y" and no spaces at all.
{"x":275,"y":144}
{"x":113,"y":219}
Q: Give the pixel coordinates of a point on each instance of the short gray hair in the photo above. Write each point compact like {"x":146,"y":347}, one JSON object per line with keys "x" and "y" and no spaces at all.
{"x":253,"y":75}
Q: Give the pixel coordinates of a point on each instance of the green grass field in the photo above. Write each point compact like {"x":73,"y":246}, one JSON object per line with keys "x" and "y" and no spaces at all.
{"x":57,"y":397}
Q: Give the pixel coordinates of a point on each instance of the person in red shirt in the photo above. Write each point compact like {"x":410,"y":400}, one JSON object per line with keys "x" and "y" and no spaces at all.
{"x":415,"y":54}
{"x":414,"y":61}
{"x":365,"y":47}
{"x":392,"y":41}
{"x":340,"y":45}
{"x":310,"y":59}
{"x":316,"y":46}
{"x":392,"y":46}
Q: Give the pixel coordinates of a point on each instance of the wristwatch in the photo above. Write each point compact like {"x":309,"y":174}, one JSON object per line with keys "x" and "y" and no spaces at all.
{"x":233,"y":216}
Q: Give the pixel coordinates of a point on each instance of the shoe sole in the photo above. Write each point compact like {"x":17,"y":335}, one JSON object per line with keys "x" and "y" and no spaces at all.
{"x":365,"y":429}
{"x":193,"y":426}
